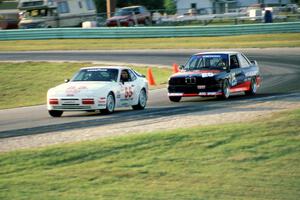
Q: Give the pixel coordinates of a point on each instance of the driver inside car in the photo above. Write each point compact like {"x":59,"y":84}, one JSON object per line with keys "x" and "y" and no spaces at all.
{"x":124,"y":76}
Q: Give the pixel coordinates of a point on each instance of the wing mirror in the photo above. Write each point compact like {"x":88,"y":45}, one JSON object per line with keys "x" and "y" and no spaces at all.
{"x":227,"y":69}
{"x":254,"y":62}
{"x":67,"y":80}
{"x":181,"y":67}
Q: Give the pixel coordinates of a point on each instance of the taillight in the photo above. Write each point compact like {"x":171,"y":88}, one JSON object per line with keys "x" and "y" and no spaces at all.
{"x":87,"y":101}
{"x":53,"y":101}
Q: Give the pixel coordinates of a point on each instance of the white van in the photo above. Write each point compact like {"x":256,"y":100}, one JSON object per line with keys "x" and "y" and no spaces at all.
{"x":55,"y":13}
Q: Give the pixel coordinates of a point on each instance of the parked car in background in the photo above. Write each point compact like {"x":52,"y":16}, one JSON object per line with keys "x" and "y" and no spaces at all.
{"x":54,"y":13}
{"x":130,"y":16}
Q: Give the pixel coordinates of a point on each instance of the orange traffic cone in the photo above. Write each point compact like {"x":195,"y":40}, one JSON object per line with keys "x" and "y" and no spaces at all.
{"x":150,"y":77}
{"x":175,"y":68}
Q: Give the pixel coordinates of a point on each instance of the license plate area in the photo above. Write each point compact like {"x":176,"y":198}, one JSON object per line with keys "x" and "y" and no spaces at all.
{"x":70,"y":101}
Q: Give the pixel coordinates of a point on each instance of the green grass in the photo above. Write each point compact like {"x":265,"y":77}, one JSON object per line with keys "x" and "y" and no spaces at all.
{"x":236,"y":161}
{"x":8,"y":5}
{"x":243,"y":41}
{"x":25,"y":84}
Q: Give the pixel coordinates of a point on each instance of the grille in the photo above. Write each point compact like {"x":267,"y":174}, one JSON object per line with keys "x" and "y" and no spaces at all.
{"x":70,"y":99}
{"x":192,"y":80}
{"x":72,"y":107}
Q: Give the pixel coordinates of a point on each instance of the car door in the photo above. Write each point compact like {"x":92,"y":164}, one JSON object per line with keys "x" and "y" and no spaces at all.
{"x":128,"y":87}
{"x":138,"y":15}
{"x":236,"y":73}
{"x":247,"y":68}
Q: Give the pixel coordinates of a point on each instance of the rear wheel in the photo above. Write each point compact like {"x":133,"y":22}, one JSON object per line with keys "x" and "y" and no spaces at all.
{"x":55,"y":113}
{"x":130,"y":23}
{"x":110,"y":104}
{"x":174,"y":99}
{"x":225,"y":90}
{"x":253,"y":88}
{"x":142,"y":101}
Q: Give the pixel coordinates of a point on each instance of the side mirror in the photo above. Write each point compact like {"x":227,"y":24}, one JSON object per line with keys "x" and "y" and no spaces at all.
{"x":228,"y":69}
{"x":254,"y":62}
{"x":67,"y":80}
{"x":181,"y":67}
{"x":142,"y":75}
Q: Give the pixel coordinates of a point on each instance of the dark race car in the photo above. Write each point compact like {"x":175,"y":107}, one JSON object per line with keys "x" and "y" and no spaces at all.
{"x":215,"y":74}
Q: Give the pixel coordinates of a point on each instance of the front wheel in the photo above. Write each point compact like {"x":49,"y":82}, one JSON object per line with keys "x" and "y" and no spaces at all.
{"x":174,"y":99}
{"x":55,"y":113}
{"x":225,"y":90}
{"x":253,"y":88}
{"x":142,"y":101}
{"x":110,"y":104}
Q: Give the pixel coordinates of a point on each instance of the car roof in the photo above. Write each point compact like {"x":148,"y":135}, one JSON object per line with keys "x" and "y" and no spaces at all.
{"x":218,"y":52}
{"x":131,"y":7}
{"x":106,"y":67}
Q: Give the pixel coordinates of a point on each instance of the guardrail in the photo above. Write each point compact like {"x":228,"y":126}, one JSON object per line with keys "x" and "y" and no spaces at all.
{"x":149,"y":32}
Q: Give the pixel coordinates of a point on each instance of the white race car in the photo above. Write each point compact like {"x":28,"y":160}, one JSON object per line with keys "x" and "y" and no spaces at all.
{"x":99,"y":88}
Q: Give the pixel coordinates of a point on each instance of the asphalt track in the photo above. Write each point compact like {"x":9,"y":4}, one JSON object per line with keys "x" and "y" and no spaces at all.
{"x":280,"y":69}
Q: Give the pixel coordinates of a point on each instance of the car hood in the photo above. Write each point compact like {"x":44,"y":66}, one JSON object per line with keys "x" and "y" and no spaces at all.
{"x":118,"y":17}
{"x":80,"y":88}
{"x":201,"y":73}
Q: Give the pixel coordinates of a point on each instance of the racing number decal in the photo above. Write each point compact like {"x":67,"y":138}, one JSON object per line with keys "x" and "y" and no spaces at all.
{"x":128,"y":92}
{"x":233,"y":80}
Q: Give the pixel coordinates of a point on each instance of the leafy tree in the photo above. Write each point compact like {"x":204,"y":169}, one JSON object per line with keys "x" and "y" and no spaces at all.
{"x":100,"y":5}
{"x":170,"y":6}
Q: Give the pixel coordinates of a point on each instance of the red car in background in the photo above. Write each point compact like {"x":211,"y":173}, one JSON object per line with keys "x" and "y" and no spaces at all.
{"x":130,"y":16}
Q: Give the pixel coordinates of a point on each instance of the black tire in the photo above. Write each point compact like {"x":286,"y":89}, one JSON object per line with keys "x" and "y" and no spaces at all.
{"x":253,"y":88}
{"x":55,"y":113}
{"x":142,"y":101}
{"x":175,"y":99}
{"x":130,"y":23}
{"x":225,"y":90}
{"x":110,"y":104}
{"x":147,"y":22}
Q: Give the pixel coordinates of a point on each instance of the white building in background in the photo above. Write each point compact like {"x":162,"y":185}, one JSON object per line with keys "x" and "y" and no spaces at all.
{"x":220,"y":6}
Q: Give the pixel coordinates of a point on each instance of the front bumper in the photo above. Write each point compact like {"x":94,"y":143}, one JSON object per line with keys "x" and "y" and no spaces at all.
{"x":76,"y":104}
{"x":194,"y":90}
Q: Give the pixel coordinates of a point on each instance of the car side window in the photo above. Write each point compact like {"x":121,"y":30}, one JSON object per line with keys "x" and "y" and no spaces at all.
{"x":142,"y":9}
{"x":63,"y":7}
{"x":137,"y":11}
{"x":234,"y":63}
{"x":244,"y":62}
{"x":132,"y":76}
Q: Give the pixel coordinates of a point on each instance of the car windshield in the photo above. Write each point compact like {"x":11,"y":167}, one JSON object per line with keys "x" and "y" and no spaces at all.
{"x":124,"y":12}
{"x":97,"y":74}
{"x":207,"y":61}
{"x":36,"y":13}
